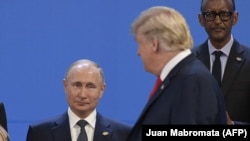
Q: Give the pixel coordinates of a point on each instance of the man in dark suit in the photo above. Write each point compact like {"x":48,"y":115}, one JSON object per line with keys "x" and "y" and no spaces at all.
{"x":218,"y":17}
{"x":84,"y":86}
{"x":188,"y":93}
{"x":3,"y":119}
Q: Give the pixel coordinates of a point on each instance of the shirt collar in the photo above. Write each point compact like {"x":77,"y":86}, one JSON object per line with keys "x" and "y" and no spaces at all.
{"x":173,"y":62}
{"x":226,"y":49}
{"x":73,"y":118}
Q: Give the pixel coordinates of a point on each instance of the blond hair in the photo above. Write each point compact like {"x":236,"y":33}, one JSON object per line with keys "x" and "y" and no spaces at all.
{"x":167,"y":25}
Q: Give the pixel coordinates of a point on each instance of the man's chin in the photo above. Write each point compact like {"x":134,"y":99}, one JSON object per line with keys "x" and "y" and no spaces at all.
{"x":218,"y":37}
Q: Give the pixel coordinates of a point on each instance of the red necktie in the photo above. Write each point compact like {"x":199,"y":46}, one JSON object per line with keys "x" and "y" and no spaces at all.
{"x":157,"y":84}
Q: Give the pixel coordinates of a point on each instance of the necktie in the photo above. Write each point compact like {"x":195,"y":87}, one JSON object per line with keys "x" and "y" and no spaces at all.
{"x":216,"y":71}
{"x":83,"y":135}
{"x":157,"y":84}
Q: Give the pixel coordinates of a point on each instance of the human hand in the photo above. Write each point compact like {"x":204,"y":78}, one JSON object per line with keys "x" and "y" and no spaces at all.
{"x":229,"y":121}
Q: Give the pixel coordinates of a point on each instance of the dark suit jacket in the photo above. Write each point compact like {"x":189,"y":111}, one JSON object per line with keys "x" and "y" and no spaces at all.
{"x":236,"y":80}
{"x":188,"y":95}
{"x":57,"y":129}
{"x":3,"y":118}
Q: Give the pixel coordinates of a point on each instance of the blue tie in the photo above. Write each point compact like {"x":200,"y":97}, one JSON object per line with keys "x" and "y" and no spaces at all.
{"x":83,"y":135}
{"x":216,"y":71}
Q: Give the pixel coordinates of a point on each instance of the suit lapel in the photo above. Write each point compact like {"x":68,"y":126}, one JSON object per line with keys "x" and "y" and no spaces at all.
{"x":235,"y":61}
{"x":150,"y":102}
{"x":61,"y":129}
{"x":233,"y":66}
{"x":164,"y":85}
{"x":103,"y":132}
{"x":202,"y":54}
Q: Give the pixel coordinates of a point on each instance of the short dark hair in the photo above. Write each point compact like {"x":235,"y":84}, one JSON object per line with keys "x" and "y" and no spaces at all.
{"x":234,"y":6}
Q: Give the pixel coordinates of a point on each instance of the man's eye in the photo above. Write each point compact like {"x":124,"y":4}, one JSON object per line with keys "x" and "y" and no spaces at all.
{"x":224,"y":13}
{"x":209,"y":14}
{"x":91,"y":86}
{"x":77,"y":84}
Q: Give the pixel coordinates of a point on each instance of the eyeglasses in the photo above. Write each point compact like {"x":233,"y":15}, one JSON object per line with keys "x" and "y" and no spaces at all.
{"x":211,"y":15}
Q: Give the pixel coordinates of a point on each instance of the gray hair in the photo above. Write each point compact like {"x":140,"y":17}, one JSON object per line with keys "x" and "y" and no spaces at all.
{"x":85,"y":61}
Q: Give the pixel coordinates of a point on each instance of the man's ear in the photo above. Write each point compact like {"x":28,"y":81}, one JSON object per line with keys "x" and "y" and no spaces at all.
{"x":201,"y":19}
{"x":235,"y":17}
{"x":102,"y":90}
{"x":64,"y":84}
{"x":155,"y":43}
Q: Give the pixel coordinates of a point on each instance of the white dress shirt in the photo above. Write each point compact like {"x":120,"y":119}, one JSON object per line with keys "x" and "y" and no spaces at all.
{"x":75,"y":129}
{"x":226,"y":50}
{"x":173,"y":62}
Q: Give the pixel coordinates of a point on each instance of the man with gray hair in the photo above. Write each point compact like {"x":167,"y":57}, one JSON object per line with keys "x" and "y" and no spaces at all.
{"x":84,"y":86}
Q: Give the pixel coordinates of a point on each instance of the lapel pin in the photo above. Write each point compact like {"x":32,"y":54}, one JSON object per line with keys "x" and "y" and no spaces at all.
{"x":238,"y":59}
{"x":162,"y":86}
{"x":105,"y":133}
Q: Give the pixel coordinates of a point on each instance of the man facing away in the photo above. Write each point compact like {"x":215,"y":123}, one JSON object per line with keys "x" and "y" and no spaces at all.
{"x":188,"y":93}
{"x":84,"y":85}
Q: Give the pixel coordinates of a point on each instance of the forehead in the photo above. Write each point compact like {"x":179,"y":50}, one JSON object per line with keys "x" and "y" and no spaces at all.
{"x":83,"y":69}
{"x":217,"y":4}
{"x":138,"y":37}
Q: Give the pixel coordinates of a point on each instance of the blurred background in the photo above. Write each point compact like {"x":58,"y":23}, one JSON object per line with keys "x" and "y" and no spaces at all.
{"x":40,"y":38}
